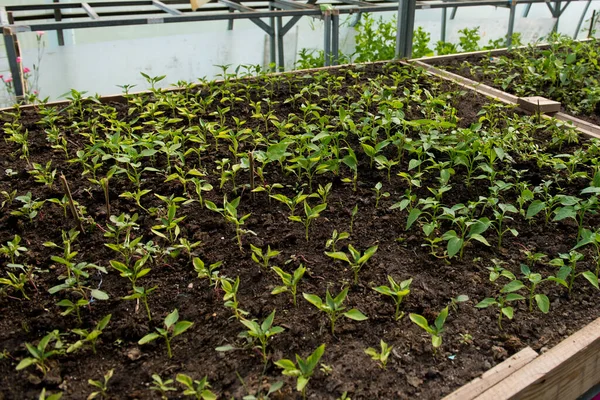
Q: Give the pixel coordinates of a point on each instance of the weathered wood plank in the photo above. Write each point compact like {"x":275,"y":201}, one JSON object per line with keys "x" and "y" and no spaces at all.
{"x":565,"y":372}
{"x":491,"y":377}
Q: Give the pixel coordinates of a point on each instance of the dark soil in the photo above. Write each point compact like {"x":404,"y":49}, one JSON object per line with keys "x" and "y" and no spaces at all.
{"x":412,"y":371}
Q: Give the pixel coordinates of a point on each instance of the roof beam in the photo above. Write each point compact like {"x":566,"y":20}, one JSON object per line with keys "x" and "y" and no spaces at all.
{"x":90,"y":11}
{"x":166,"y":8}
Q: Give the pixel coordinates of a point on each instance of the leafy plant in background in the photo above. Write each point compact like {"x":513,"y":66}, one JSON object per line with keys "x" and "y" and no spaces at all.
{"x":197,"y":389}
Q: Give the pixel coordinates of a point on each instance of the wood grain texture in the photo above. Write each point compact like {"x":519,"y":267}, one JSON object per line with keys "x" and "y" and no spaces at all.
{"x":565,"y":372}
{"x":491,"y":377}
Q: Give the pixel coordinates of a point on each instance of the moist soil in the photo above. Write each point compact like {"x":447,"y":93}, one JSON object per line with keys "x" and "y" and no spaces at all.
{"x":460,"y":66}
{"x":413,"y":371}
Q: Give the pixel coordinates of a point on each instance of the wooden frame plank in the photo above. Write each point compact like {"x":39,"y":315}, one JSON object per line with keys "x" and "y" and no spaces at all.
{"x":491,"y":377}
{"x":565,"y":372}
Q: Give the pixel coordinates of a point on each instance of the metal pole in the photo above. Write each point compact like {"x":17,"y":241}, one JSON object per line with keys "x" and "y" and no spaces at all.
{"x":230,"y":22}
{"x":335,"y":36}
{"x":453,"y":13}
{"x":526,"y":11}
{"x":59,"y":32}
{"x":327,"y":36}
{"x":272,"y":39}
{"x":591,"y":30}
{"x":444,"y":19}
{"x":557,"y":16}
{"x":511,"y":23}
{"x":406,"y":23}
{"x":585,"y":10}
{"x":12,"y":52}
{"x":280,"y":36}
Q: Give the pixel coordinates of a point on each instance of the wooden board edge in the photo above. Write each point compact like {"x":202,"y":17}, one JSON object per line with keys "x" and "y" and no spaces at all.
{"x":584,"y":126}
{"x":491,"y":377}
{"x":565,"y":372}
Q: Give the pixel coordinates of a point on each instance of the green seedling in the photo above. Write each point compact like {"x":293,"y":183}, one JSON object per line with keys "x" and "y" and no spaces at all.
{"x":198,"y":389}
{"x":335,"y":238}
{"x":172,"y":328}
{"x":140,"y":292}
{"x":134,"y":272}
{"x":380,"y":356}
{"x":436,"y":330}
{"x":534,"y":280}
{"x":41,"y":354}
{"x":304,"y":369}
{"x":291,"y":203}
{"x":262,"y":257}
{"x":379,"y":194}
{"x":169,"y":223}
{"x":162,"y":386}
{"x":261,"y":332}
{"x":356,"y":260}
{"x":310,"y":214}
{"x":88,"y":337}
{"x":397,"y":292}
{"x":567,"y":263}
{"x":102,"y":386}
{"x":230,"y":213}
{"x":49,"y":396}
{"x":13,"y":249}
{"x":230,"y":298}
{"x":333,"y":307}
{"x":15,"y":281}
{"x":30,"y":207}
{"x":211,"y":272}
{"x":506,"y":296}
{"x":43,"y":173}
{"x":290,"y":282}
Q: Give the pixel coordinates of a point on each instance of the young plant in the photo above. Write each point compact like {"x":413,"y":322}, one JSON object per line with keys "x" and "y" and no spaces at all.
{"x":172,"y":328}
{"x":506,"y":296}
{"x":140,"y":292}
{"x":261,"y":332}
{"x":209,"y":272}
{"x":436,"y":330}
{"x":356,"y":259}
{"x":262,"y":257}
{"x":230,"y":213}
{"x":230,"y":298}
{"x":290,"y":282}
{"x":352,"y":216}
{"x":333,"y":308}
{"x":568,"y":270}
{"x":310,"y":215}
{"x":162,"y":386}
{"x":102,"y":386}
{"x":379,"y":194}
{"x":382,"y":356}
{"x":335,"y":238}
{"x":304,"y":369}
{"x":30,"y":207}
{"x":40,"y":354}
{"x":13,"y":249}
{"x":534,"y":280}
{"x":397,"y":292}
{"x":198,"y":389}
{"x":89,"y":337}
{"x":291,"y":203}
{"x":43,"y":173}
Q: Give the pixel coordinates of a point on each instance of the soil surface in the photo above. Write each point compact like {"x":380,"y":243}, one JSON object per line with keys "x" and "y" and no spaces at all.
{"x":472,"y":341}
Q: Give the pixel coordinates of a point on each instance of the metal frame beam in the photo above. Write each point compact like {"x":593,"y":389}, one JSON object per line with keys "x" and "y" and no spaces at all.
{"x":162,"y":6}
{"x":89,"y":10}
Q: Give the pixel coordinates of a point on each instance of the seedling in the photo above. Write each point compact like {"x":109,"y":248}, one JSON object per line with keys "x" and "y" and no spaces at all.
{"x":291,"y":203}
{"x":397,"y":292}
{"x":304,"y":369}
{"x":436,"y":330}
{"x":30,"y":207}
{"x":506,"y":296}
{"x":162,"y":386}
{"x":211,"y":272}
{"x":40,"y":354}
{"x":290,"y":282}
{"x":43,"y":173}
{"x":356,"y":259}
{"x":379,"y":194}
{"x":142,"y":293}
{"x":89,"y":337}
{"x":310,"y":215}
{"x":261,"y":332}
{"x":53,"y":396}
{"x":382,"y":356}
{"x":262,"y":257}
{"x":172,"y":328}
{"x":13,"y":249}
{"x":335,"y":238}
{"x":230,"y":213}
{"x":198,"y":389}
{"x":101,"y":385}
{"x":230,"y":298}
{"x":534,"y":280}
{"x":333,"y":307}
{"x":568,"y":270}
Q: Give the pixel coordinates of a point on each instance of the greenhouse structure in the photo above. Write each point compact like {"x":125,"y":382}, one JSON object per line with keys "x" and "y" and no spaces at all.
{"x":300,"y":199}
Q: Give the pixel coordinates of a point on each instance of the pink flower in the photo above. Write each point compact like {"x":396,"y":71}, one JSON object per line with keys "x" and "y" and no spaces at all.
{"x":26,"y":70}
{"x":8,"y":80}
{"x":36,"y":92}
{"x":2,"y":77}
{"x":19,"y":59}
{"x":40,"y":33}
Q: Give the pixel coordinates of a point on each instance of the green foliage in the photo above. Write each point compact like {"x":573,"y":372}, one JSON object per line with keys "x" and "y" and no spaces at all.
{"x":332,"y":306}
{"x":380,"y":356}
{"x":397,"y":292}
{"x":356,"y":259}
{"x":172,"y":328}
{"x":302,"y":369}
{"x":102,"y":386}
{"x":197,"y":389}
{"x":290,"y":282}
{"x":41,"y":354}
{"x":436,"y":330}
